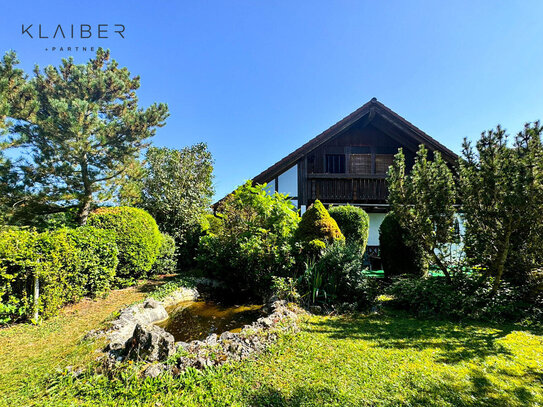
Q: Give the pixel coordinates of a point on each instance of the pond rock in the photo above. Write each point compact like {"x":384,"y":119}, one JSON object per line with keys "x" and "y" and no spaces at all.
{"x":150,"y":343}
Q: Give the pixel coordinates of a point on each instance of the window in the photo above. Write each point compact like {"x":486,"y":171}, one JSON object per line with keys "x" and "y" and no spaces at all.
{"x":382,"y":162}
{"x":360,"y":164}
{"x":335,"y":163}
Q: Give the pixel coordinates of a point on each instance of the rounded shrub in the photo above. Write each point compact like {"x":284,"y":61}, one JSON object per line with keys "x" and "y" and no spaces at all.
{"x":317,"y":224}
{"x":396,"y":256}
{"x":353,"y":222}
{"x":137,"y":237}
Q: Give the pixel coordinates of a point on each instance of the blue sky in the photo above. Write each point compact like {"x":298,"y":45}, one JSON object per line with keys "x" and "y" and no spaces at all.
{"x":256,"y":79}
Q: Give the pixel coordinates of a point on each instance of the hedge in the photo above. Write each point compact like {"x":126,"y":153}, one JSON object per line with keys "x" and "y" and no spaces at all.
{"x":68,"y":264}
{"x":137,"y":237}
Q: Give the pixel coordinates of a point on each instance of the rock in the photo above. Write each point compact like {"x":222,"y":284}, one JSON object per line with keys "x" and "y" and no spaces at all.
{"x":124,"y":326}
{"x":211,"y":340}
{"x":181,"y":344}
{"x":151,"y":303}
{"x":150,"y":343}
{"x":155,"y":370}
{"x":266,"y":321}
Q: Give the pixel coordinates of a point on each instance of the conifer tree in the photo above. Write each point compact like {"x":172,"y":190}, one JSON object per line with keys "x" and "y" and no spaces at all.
{"x":423,"y":202}
{"x":86,"y":129}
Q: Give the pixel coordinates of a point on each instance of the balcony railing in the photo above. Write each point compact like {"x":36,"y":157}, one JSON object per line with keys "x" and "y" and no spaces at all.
{"x":343,"y":188}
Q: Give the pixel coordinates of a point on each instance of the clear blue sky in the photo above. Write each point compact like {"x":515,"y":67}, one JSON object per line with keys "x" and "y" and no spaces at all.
{"x":256,"y":79}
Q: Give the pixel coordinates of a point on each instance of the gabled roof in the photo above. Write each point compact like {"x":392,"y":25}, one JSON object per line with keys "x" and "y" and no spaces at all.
{"x":368,"y":112}
{"x":372,"y":112}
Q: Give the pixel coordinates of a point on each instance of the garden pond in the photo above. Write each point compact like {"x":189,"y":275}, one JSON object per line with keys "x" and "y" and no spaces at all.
{"x":196,"y":320}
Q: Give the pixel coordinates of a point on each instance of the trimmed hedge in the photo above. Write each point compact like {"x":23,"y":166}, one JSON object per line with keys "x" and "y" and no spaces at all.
{"x":69,"y":264}
{"x":396,"y":256}
{"x":353,"y":222}
{"x":317,"y":224}
{"x":137,"y":237}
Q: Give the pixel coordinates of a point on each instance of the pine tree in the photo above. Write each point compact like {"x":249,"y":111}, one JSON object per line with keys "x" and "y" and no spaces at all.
{"x":423,"y":202}
{"x":84,"y":133}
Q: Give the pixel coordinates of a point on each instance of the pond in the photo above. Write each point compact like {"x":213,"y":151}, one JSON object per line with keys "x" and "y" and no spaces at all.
{"x":190,"y":320}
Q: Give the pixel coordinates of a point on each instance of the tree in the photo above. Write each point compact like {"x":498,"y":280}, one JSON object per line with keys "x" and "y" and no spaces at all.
{"x":16,"y":101}
{"x":423,"y":203}
{"x":85,"y":131}
{"x":176,"y":189}
{"x":502,"y":200}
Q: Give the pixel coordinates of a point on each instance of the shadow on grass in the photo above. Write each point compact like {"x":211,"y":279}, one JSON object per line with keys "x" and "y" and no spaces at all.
{"x":302,"y":396}
{"x":456,"y":342}
{"x":152,"y":284}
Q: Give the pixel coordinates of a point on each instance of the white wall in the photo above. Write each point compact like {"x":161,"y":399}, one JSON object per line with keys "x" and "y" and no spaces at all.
{"x":375,"y":222}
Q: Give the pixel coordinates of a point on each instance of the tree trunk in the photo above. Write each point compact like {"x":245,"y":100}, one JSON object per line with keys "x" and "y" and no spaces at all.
{"x":86,"y":201}
{"x":442,"y":267}
{"x":36,"y":297}
{"x":500,"y":262}
{"x":84,"y":210}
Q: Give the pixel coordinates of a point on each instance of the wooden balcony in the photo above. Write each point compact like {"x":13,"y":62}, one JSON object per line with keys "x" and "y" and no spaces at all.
{"x":347,"y":188}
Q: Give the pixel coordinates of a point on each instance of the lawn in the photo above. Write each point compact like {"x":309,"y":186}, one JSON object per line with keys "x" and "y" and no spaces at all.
{"x":377,"y":360}
{"x":29,"y":353}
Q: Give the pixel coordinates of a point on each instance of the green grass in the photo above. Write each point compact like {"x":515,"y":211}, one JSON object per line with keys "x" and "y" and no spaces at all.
{"x":389,"y":360}
{"x":29,"y":353}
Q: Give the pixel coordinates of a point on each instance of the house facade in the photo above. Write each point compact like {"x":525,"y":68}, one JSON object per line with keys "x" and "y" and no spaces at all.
{"x":347,"y":163}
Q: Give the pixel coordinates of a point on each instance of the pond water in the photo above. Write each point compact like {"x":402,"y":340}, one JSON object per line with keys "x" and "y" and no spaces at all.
{"x":190,"y":320}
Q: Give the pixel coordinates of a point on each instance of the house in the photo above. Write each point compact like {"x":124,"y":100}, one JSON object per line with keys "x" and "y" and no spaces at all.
{"x":347,"y":163}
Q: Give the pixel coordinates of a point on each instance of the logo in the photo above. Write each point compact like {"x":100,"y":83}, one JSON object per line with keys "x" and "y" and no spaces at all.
{"x":72,"y":32}
{"x":81,"y":31}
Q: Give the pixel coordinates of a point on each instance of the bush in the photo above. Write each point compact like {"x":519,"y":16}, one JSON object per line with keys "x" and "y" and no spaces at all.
{"x":166,"y":262}
{"x":341,"y":265}
{"x":97,"y":260}
{"x":18,"y":260}
{"x":337,"y":277}
{"x":252,"y":242}
{"x":353,"y":222}
{"x":317,"y":224}
{"x":69,"y":264}
{"x":137,"y":237}
{"x":465,"y":298}
{"x":396,"y":256}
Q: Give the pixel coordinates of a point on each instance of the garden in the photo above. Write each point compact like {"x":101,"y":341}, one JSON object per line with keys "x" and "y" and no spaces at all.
{"x":94,"y":218}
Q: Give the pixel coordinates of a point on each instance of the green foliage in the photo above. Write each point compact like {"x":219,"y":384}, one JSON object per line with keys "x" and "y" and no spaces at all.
{"x":317,"y":224}
{"x":336,"y":276}
{"x":137,"y":237}
{"x":423,"y":203}
{"x":284,"y":288}
{"x":252,"y":242}
{"x":83,"y":131}
{"x":18,"y":260}
{"x":465,"y":298}
{"x":353,"y":222}
{"x":171,"y":285}
{"x":166,"y":262}
{"x":69,"y":264}
{"x":97,"y":259}
{"x":397,"y":257}
{"x":176,"y":189}
{"x":502,"y":202}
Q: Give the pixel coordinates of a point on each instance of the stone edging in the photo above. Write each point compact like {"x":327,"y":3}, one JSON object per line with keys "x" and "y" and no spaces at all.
{"x":133,"y":336}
